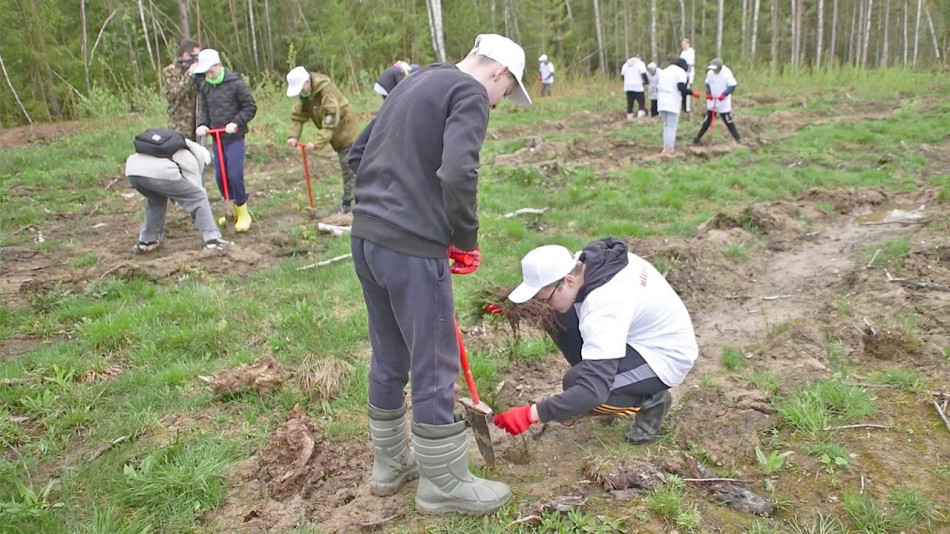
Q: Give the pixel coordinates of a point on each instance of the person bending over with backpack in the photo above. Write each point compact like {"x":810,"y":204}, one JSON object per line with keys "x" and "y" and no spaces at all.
{"x":166,"y":166}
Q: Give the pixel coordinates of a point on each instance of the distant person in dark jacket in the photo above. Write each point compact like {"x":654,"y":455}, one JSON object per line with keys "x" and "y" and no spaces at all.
{"x":416,"y":170}
{"x":625,"y":332}
{"x":226,"y":102}
{"x":390,"y":77}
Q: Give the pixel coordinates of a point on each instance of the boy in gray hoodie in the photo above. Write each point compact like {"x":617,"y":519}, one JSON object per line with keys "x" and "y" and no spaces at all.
{"x":177,"y":179}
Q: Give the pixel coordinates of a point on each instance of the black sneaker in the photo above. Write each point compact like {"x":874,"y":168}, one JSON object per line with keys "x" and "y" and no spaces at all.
{"x":143,"y":247}
{"x":216,"y":244}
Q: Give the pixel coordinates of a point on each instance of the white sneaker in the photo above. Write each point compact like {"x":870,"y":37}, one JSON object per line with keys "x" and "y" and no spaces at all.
{"x":629,"y":117}
{"x":641,"y":113}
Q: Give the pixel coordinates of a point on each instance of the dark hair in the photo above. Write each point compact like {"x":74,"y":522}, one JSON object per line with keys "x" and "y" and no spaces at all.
{"x":187,"y":45}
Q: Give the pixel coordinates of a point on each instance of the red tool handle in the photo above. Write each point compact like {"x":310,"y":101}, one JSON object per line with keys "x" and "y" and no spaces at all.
{"x":224,"y":173}
{"x":466,"y":370}
{"x":306,"y":171}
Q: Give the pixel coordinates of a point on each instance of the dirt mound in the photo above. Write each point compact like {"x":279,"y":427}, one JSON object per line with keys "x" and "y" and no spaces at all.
{"x":45,"y":132}
{"x":299,"y":476}
{"x":262,"y":377}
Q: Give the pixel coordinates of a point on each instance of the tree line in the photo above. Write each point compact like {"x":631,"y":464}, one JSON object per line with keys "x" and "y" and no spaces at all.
{"x":56,"y":56}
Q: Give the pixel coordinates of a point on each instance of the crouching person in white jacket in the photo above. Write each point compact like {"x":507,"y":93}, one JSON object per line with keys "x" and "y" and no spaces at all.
{"x":177,"y":179}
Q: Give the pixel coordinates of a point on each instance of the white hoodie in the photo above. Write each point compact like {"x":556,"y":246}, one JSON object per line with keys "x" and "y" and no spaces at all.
{"x":186,"y":163}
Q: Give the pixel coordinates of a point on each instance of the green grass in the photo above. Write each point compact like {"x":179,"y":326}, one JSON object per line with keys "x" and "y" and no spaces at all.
{"x":903,"y":379}
{"x":732,"y":358}
{"x":888,"y":254}
{"x":818,"y":405}
{"x":164,"y":335}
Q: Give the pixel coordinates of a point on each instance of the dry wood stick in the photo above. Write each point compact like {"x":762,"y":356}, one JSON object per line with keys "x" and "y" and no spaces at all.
{"x":325,"y":262}
{"x":736,"y":480}
{"x":942,"y":415}
{"x":874,"y":257}
{"x":866,"y":425}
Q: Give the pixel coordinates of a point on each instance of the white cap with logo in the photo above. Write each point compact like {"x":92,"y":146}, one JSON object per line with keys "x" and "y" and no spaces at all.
{"x":508,"y":54}
{"x":296,"y":79}
{"x":541,"y":267}
{"x":207,"y":58}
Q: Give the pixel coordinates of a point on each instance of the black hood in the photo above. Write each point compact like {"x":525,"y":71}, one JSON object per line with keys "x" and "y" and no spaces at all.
{"x":681,"y":63}
{"x":602,"y":260}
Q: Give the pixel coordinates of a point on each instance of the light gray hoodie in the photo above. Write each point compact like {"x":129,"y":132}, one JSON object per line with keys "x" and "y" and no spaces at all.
{"x":185,"y":164}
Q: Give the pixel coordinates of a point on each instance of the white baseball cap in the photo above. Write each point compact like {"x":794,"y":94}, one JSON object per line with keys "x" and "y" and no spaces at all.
{"x":207,"y":58}
{"x":542,"y":267}
{"x":508,"y":54}
{"x":544,"y":57}
{"x":296,"y":78}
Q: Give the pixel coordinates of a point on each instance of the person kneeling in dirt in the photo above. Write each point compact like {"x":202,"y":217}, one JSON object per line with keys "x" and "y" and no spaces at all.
{"x":176,"y":178}
{"x":625,"y":332}
{"x":321,"y":102}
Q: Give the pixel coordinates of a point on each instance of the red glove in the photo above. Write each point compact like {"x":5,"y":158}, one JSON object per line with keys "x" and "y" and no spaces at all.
{"x":722,"y":97}
{"x":495,"y":309}
{"x":709,"y":96}
{"x":465,"y":261}
{"x":515,"y":420}
{"x":695,"y":94}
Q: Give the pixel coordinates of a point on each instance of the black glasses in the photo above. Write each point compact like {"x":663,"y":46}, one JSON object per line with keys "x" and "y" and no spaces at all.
{"x":556,"y":288}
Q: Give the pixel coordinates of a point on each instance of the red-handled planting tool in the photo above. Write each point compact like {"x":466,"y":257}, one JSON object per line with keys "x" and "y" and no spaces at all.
{"x":478,"y":413}
{"x":228,"y":205}
{"x":306,"y":172}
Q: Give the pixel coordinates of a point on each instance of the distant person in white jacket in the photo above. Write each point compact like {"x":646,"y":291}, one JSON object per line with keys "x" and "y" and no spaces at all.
{"x":634,"y":74}
{"x":177,"y":179}
{"x":688,"y":55}
{"x":720,"y":84}
{"x":671,"y":92}
{"x":545,"y":74}
{"x":653,"y":79}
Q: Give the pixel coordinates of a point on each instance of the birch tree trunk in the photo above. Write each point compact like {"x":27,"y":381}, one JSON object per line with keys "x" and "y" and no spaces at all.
{"x":183,"y":19}
{"x":270,"y":36}
{"x":435,"y":28}
{"x":719,"y":27}
{"x":653,"y":29}
{"x":906,"y":40}
{"x":253,"y":31}
{"x":626,"y":30}
{"x":84,"y":45}
{"x":148,"y":44}
{"x":821,"y":33}
{"x":920,"y":4}
{"x":43,"y":68}
{"x":755,"y":27}
{"x":887,"y":30}
{"x":933,"y":34}
{"x":601,"y":52}
{"x":852,"y":37}
{"x":16,"y":95}
{"x":234,"y":23}
{"x":794,"y":56}
{"x":867,"y":33}
{"x":682,"y":17}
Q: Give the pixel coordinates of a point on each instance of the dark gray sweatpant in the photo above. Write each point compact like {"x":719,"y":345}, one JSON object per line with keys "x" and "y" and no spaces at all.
{"x":635,"y":380}
{"x":191,"y":197}
{"x":411,"y":330}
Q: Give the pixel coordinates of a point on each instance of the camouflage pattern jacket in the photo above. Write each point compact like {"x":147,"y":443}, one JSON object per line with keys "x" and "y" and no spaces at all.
{"x":181,"y":94}
{"x":330,"y":112}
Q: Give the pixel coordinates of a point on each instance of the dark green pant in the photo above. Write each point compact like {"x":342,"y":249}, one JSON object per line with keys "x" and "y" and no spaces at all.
{"x":347,"y":174}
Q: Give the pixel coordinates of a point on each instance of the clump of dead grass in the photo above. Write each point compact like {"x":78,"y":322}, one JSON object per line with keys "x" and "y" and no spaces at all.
{"x":322,"y":378}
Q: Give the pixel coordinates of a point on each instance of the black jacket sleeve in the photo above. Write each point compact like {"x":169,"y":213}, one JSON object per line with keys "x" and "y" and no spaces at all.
{"x":646,"y":80}
{"x":589,"y":391}
{"x":684,"y":89}
{"x":204,"y":115}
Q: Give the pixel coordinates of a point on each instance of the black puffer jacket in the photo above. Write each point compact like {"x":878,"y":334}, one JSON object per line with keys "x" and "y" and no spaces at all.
{"x":229,"y":101}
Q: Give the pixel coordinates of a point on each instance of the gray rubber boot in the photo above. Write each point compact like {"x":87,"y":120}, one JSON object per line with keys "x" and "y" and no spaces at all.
{"x":393,"y":461}
{"x":650,"y":418}
{"x":445,"y":483}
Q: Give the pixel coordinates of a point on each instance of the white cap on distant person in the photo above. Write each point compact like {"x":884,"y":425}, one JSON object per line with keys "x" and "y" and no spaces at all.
{"x":296,"y":79}
{"x":508,"y":54}
{"x":544,"y":57}
{"x":207,"y":58}
{"x":542,"y":267}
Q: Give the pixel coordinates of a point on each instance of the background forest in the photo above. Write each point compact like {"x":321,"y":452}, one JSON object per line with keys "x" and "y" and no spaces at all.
{"x":72,"y":59}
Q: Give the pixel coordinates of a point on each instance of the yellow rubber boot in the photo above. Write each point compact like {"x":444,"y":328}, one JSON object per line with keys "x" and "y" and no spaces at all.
{"x":242,"y":219}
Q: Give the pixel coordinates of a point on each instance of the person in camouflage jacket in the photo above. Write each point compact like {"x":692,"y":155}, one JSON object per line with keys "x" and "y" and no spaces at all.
{"x":319,"y":101}
{"x":181,"y":91}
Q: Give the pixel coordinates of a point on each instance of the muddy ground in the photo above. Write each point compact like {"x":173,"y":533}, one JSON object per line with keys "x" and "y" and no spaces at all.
{"x":805,"y":283}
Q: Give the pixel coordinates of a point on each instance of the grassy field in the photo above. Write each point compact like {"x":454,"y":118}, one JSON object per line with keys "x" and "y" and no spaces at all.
{"x":106,"y":426}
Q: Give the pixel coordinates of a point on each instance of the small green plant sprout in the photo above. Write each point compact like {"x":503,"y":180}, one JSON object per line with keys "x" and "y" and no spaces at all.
{"x":831,"y":455}
{"x":773,"y":462}
{"x":732,"y":358}
{"x":766,"y":380}
{"x":902,"y":379}
{"x":27,"y":503}
{"x":820,"y":525}
{"x":737,"y":252}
